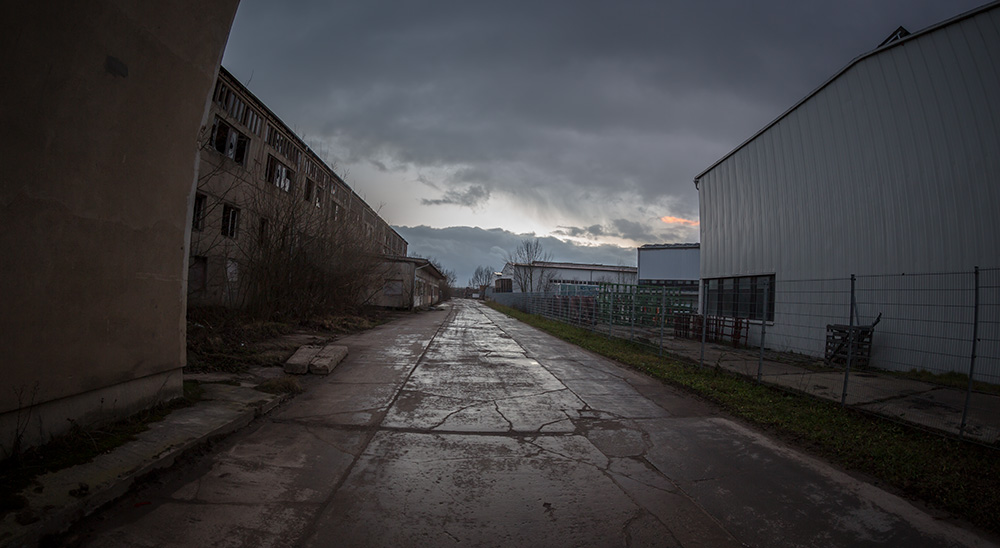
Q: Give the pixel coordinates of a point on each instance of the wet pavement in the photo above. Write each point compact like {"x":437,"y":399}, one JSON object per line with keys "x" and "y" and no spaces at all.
{"x":463,"y":427}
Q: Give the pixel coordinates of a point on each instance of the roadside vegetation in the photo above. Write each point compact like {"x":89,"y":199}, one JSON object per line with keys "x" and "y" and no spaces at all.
{"x":958,"y":477}
{"x":230,"y":341}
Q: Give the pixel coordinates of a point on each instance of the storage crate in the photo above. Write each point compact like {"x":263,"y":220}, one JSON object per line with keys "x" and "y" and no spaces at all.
{"x":838,"y":345}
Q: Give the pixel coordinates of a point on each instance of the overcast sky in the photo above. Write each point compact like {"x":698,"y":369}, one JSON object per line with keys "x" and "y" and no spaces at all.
{"x":472,"y":124}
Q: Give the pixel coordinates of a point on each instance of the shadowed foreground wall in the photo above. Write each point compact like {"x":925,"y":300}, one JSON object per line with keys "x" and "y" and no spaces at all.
{"x":100,"y":107}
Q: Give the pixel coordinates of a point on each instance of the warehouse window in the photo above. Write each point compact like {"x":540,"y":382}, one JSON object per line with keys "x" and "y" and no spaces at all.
{"x":740,"y":297}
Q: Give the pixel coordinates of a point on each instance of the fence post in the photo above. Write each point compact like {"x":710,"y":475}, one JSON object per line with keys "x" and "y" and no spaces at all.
{"x":663,"y":315}
{"x":611,"y":306}
{"x":972,"y":359}
{"x":763,"y":329}
{"x":850,"y":346}
{"x":631,"y":325}
{"x":704,"y":323}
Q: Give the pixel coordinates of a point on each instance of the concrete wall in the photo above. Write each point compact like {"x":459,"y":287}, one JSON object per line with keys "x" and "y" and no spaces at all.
{"x":102,"y":102}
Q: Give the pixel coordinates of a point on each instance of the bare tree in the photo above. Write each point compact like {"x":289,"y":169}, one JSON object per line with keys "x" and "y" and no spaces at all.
{"x":527,"y":270}
{"x":483,"y":276}
{"x":448,"y":291}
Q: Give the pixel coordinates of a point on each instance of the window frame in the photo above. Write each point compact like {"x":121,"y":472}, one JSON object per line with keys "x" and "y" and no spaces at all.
{"x":279,"y":175}
{"x":198,"y":214}
{"x":230,"y":221}
{"x":234,"y":144}
{"x":740,"y":297}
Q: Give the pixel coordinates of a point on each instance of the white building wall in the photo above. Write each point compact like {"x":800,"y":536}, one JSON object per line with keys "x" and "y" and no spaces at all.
{"x":893,"y":166}
{"x":669,"y":263}
{"x":588,"y":275}
{"x":546,"y":274}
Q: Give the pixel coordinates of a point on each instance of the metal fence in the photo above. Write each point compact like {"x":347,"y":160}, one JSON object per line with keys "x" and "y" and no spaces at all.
{"x":921,"y":348}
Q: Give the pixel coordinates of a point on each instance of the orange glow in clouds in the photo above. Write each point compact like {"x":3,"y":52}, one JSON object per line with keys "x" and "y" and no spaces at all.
{"x":678,"y":221}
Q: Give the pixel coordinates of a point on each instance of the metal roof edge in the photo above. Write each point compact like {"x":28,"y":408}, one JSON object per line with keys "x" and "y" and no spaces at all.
{"x":935,"y":27}
{"x":671,"y":246}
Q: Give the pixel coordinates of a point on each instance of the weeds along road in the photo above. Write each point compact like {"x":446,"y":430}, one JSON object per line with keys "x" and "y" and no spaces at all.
{"x":463,"y":427}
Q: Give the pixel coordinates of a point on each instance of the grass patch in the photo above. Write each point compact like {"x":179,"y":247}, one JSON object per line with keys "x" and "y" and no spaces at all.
{"x":78,"y":446}
{"x":953,"y":379}
{"x":961,"y":478}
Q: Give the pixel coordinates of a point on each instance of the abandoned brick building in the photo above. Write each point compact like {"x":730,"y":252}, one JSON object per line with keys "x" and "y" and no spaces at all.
{"x":259,"y":182}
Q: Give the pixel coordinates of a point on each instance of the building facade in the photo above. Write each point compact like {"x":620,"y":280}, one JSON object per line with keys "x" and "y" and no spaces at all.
{"x":263,"y":194}
{"x":889,"y":167}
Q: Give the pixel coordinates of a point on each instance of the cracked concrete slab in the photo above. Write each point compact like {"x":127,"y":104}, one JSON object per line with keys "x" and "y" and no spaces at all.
{"x":562,"y":496}
{"x":467,"y":428}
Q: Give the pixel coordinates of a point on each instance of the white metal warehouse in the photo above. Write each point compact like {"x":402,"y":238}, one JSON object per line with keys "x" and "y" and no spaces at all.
{"x":891,"y":166}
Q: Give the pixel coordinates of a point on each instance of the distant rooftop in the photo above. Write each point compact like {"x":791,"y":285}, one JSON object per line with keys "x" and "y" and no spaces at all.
{"x":671,"y":246}
{"x":580,"y":266}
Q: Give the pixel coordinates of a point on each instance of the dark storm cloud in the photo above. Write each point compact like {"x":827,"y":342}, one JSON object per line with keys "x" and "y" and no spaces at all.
{"x":471,"y":197}
{"x":631,"y":230}
{"x":619,"y":228}
{"x":600,"y":111}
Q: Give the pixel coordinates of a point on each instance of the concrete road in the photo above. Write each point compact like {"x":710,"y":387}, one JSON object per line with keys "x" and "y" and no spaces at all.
{"x":462,"y":427}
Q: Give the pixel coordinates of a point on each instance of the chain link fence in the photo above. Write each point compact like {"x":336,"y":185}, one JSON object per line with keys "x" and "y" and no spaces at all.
{"x":921,"y":348}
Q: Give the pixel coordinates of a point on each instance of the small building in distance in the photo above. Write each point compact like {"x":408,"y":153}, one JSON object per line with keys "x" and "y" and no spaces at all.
{"x":411,"y":282}
{"x":539,"y":276}
{"x":670,"y":265}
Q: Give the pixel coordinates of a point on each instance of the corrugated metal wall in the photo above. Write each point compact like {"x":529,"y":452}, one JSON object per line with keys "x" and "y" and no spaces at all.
{"x":893,"y":166}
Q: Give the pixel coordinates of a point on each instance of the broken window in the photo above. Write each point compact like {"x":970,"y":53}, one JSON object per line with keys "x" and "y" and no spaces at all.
{"x":279,"y":175}
{"x":198,"y":220}
{"x":283,"y":144}
{"x":318,"y":201}
{"x":230,"y":142}
{"x":230,"y":221}
{"x":230,"y":102}
{"x":307,"y":195}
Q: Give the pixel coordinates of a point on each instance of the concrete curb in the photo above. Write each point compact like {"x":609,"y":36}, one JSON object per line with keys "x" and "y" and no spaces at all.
{"x":59,"y":499}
